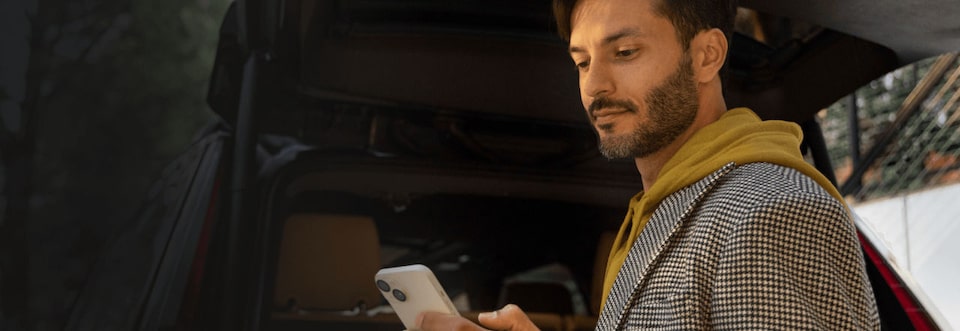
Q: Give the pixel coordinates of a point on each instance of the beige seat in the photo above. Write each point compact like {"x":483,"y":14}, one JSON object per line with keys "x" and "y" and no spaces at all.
{"x":327,"y":263}
{"x":599,"y":270}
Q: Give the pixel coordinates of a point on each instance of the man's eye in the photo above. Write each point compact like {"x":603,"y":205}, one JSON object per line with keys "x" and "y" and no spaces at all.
{"x":583,"y":65}
{"x":626,"y":52}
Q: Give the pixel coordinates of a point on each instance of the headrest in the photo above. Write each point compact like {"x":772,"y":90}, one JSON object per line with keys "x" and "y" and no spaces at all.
{"x":327,"y":262}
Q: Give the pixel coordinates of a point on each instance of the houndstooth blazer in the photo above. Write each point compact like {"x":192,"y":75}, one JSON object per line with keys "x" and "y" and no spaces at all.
{"x":756,"y":246}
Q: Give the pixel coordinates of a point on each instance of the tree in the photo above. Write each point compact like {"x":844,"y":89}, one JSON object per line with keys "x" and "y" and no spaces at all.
{"x":115,"y":89}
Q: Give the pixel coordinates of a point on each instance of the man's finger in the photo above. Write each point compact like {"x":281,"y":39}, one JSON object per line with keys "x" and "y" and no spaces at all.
{"x":508,"y":318}
{"x":429,"y":321}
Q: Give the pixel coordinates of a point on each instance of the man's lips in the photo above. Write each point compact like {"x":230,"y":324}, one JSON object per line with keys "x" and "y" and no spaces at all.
{"x":600,"y":113}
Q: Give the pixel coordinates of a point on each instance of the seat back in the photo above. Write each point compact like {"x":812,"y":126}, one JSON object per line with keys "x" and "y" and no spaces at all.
{"x":328,"y":262}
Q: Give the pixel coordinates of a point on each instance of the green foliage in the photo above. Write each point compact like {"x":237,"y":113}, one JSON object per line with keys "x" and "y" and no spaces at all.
{"x":133,"y":100}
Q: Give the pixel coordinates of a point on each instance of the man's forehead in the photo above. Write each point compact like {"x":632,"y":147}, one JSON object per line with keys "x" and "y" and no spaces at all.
{"x":611,"y":19}
{"x":593,"y":8}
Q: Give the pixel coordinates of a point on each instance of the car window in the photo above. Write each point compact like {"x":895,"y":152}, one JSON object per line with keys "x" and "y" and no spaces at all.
{"x":897,"y":161}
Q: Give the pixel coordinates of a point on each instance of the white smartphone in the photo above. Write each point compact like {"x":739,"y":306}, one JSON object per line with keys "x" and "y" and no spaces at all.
{"x":411,"y":290}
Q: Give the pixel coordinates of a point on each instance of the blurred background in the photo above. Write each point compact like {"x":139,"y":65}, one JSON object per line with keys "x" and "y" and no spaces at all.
{"x":96,"y":97}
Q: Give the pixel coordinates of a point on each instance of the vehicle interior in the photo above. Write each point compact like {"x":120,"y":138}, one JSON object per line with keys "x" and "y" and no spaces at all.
{"x":451,"y":134}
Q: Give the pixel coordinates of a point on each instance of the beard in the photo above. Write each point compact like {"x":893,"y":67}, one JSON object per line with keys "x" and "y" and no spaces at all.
{"x":671,"y":109}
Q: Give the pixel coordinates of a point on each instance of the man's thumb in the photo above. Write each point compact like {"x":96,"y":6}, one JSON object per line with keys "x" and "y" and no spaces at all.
{"x":510,"y":317}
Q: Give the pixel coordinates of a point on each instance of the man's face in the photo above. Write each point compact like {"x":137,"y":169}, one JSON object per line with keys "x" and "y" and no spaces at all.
{"x":636,"y":81}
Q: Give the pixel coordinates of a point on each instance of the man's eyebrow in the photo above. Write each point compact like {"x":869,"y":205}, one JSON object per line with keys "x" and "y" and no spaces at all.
{"x":624,"y":33}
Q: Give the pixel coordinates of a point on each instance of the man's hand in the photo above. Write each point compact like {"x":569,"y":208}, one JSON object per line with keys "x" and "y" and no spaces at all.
{"x":508,"y":318}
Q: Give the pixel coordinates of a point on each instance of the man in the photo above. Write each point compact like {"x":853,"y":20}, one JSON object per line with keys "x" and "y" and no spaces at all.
{"x":733,"y":229}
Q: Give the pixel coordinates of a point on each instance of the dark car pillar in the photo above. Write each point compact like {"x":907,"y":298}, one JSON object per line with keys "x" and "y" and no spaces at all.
{"x":240,"y":227}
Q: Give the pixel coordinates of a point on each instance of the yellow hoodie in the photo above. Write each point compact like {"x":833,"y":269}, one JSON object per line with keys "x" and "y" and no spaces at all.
{"x":738,"y":136}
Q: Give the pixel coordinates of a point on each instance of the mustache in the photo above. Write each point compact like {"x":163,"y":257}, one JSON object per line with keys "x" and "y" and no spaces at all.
{"x":605,"y":102}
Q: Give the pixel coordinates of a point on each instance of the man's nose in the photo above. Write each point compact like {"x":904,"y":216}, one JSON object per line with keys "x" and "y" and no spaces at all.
{"x":597,"y":82}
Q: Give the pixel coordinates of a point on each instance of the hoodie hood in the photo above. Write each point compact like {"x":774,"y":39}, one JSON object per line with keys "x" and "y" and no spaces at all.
{"x":739,"y":136}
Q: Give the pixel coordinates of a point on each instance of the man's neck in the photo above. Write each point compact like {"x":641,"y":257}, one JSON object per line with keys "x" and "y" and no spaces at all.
{"x":650,"y":166}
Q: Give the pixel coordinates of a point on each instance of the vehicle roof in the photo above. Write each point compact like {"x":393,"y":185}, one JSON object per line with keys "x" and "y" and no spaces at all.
{"x":503,"y":58}
{"x":913,"y":29}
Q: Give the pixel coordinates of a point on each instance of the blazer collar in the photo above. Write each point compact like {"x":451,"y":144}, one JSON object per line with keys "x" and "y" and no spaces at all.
{"x":661,"y":226}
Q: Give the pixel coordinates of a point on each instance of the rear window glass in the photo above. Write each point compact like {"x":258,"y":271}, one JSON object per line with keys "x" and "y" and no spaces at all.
{"x":897,"y":161}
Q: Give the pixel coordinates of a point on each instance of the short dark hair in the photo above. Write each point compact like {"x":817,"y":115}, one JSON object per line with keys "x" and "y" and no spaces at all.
{"x":689,"y":17}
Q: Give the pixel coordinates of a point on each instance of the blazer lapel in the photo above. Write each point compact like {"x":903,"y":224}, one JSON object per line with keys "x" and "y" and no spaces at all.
{"x":661,"y":226}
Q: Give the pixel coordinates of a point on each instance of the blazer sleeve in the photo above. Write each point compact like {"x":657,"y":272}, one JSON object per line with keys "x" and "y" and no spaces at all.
{"x":793,"y":262}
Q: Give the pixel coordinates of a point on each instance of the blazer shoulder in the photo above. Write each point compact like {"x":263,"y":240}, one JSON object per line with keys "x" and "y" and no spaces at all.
{"x":767,"y":188}
{"x":752,"y":185}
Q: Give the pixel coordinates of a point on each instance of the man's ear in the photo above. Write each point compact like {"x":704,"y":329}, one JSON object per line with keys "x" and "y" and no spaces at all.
{"x":708,"y":51}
